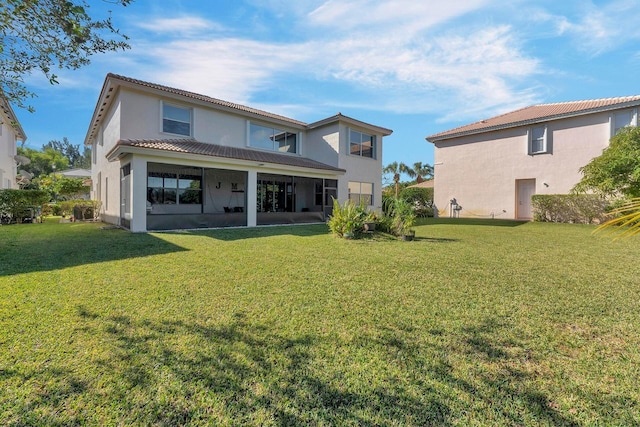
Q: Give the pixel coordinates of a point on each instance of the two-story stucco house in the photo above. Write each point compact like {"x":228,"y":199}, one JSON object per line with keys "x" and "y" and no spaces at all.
{"x":10,"y":133}
{"x":491,"y":168}
{"x":165,"y":158}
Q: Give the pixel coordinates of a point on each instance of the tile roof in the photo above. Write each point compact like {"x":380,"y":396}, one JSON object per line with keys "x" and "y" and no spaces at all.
{"x":536,"y":114}
{"x":424,"y":184}
{"x":191,"y":146}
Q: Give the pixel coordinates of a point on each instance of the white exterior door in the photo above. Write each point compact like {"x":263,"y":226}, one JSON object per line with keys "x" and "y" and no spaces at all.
{"x":525,"y":188}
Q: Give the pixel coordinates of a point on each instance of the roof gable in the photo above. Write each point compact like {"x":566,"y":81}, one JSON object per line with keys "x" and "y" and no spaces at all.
{"x":537,"y":114}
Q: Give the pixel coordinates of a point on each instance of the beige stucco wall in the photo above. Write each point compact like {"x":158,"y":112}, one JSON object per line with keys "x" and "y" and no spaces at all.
{"x":480,"y":171}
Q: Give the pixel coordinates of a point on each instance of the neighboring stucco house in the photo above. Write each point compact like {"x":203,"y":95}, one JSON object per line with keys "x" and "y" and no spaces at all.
{"x":10,"y":133}
{"x":165,"y":158}
{"x":491,"y":168}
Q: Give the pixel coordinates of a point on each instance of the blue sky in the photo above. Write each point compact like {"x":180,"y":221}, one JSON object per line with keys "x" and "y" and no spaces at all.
{"x":417,"y":67}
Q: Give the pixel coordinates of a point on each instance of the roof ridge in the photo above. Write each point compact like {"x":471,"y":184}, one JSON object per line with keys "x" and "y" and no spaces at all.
{"x":612,"y":98}
{"x":538,"y":113}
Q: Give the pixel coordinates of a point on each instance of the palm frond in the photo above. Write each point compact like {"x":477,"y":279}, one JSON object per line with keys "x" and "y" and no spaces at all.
{"x":625,"y":221}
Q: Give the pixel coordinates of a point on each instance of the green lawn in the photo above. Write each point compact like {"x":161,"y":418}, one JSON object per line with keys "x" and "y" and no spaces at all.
{"x":474,"y":323}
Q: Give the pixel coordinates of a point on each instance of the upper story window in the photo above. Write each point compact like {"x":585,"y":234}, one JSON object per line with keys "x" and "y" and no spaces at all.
{"x":269,"y":138}
{"x":361,"y":144}
{"x":622,"y":119}
{"x":538,"y":140}
{"x":176,"y":120}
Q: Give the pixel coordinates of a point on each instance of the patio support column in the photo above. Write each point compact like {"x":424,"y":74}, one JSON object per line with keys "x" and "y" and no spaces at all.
{"x":138,"y":194}
{"x":252,"y":195}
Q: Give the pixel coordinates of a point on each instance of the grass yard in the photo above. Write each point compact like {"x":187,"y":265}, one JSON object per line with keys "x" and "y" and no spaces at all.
{"x":474,"y":323}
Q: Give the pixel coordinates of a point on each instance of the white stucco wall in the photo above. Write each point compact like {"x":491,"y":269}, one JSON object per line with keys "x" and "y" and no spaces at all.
{"x":7,"y":151}
{"x":360,"y":169}
{"x":105,"y":175}
{"x":480,"y":171}
{"x":323,"y":144}
{"x":135,"y":114}
{"x":141,"y":119}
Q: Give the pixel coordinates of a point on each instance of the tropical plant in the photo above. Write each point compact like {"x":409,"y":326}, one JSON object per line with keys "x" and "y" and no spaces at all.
{"x":422,"y":171}
{"x":403,"y":217}
{"x":616,"y":172}
{"x":421,"y":199}
{"x":347,"y":220}
{"x":397,"y":168}
{"x":626,"y":220}
{"x":42,"y":162}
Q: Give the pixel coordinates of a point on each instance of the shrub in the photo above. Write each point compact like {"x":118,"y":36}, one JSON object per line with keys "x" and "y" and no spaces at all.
{"x":569,"y":208}
{"x":424,"y":196}
{"x":403,"y":216}
{"x":18,"y":203}
{"x":347,"y":219}
{"x":80,"y":208}
{"x":421,"y":199}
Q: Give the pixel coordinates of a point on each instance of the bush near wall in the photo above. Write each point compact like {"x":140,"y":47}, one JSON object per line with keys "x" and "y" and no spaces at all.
{"x":81,"y":209}
{"x":569,"y":208}
{"x":19,"y":204}
{"x":422,"y":200}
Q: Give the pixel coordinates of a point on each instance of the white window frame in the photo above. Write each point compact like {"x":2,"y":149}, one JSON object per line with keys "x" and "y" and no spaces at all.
{"x":182,"y":107}
{"x":545,"y":140}
{"x":612,"y":119}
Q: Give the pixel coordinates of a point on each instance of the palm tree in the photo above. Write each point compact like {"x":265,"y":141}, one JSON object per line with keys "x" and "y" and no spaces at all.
{"x":396,"y":169}
{"x":626,"y":221}
{"x":422,"y":171}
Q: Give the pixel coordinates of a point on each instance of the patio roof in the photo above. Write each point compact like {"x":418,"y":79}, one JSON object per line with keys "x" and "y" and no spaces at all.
{"x":191,"y":146}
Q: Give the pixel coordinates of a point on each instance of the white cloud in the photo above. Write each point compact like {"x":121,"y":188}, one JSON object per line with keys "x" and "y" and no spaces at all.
{"x":371,"y":16}
{"x":394,"y":62}
{"x":186,"y":24}
{"x":598,"y":29}
{"x":230,"y":69}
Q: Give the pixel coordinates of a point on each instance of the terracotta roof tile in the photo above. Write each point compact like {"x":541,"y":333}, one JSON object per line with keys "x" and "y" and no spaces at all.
{"x":191,"y":146}
{"x":536,"y":114}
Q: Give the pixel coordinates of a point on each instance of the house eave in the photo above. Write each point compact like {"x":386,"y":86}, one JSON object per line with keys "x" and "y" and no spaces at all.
{"x":434,"y":138}
{"x":8,"y":112}
{"x":121,"y":151}
{"x":349,"y":120}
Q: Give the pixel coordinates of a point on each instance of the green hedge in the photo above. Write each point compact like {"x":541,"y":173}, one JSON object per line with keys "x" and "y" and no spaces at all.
{"x":569,"y":208}
{"x":19,"y":204}
{"x":422,"y":200}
